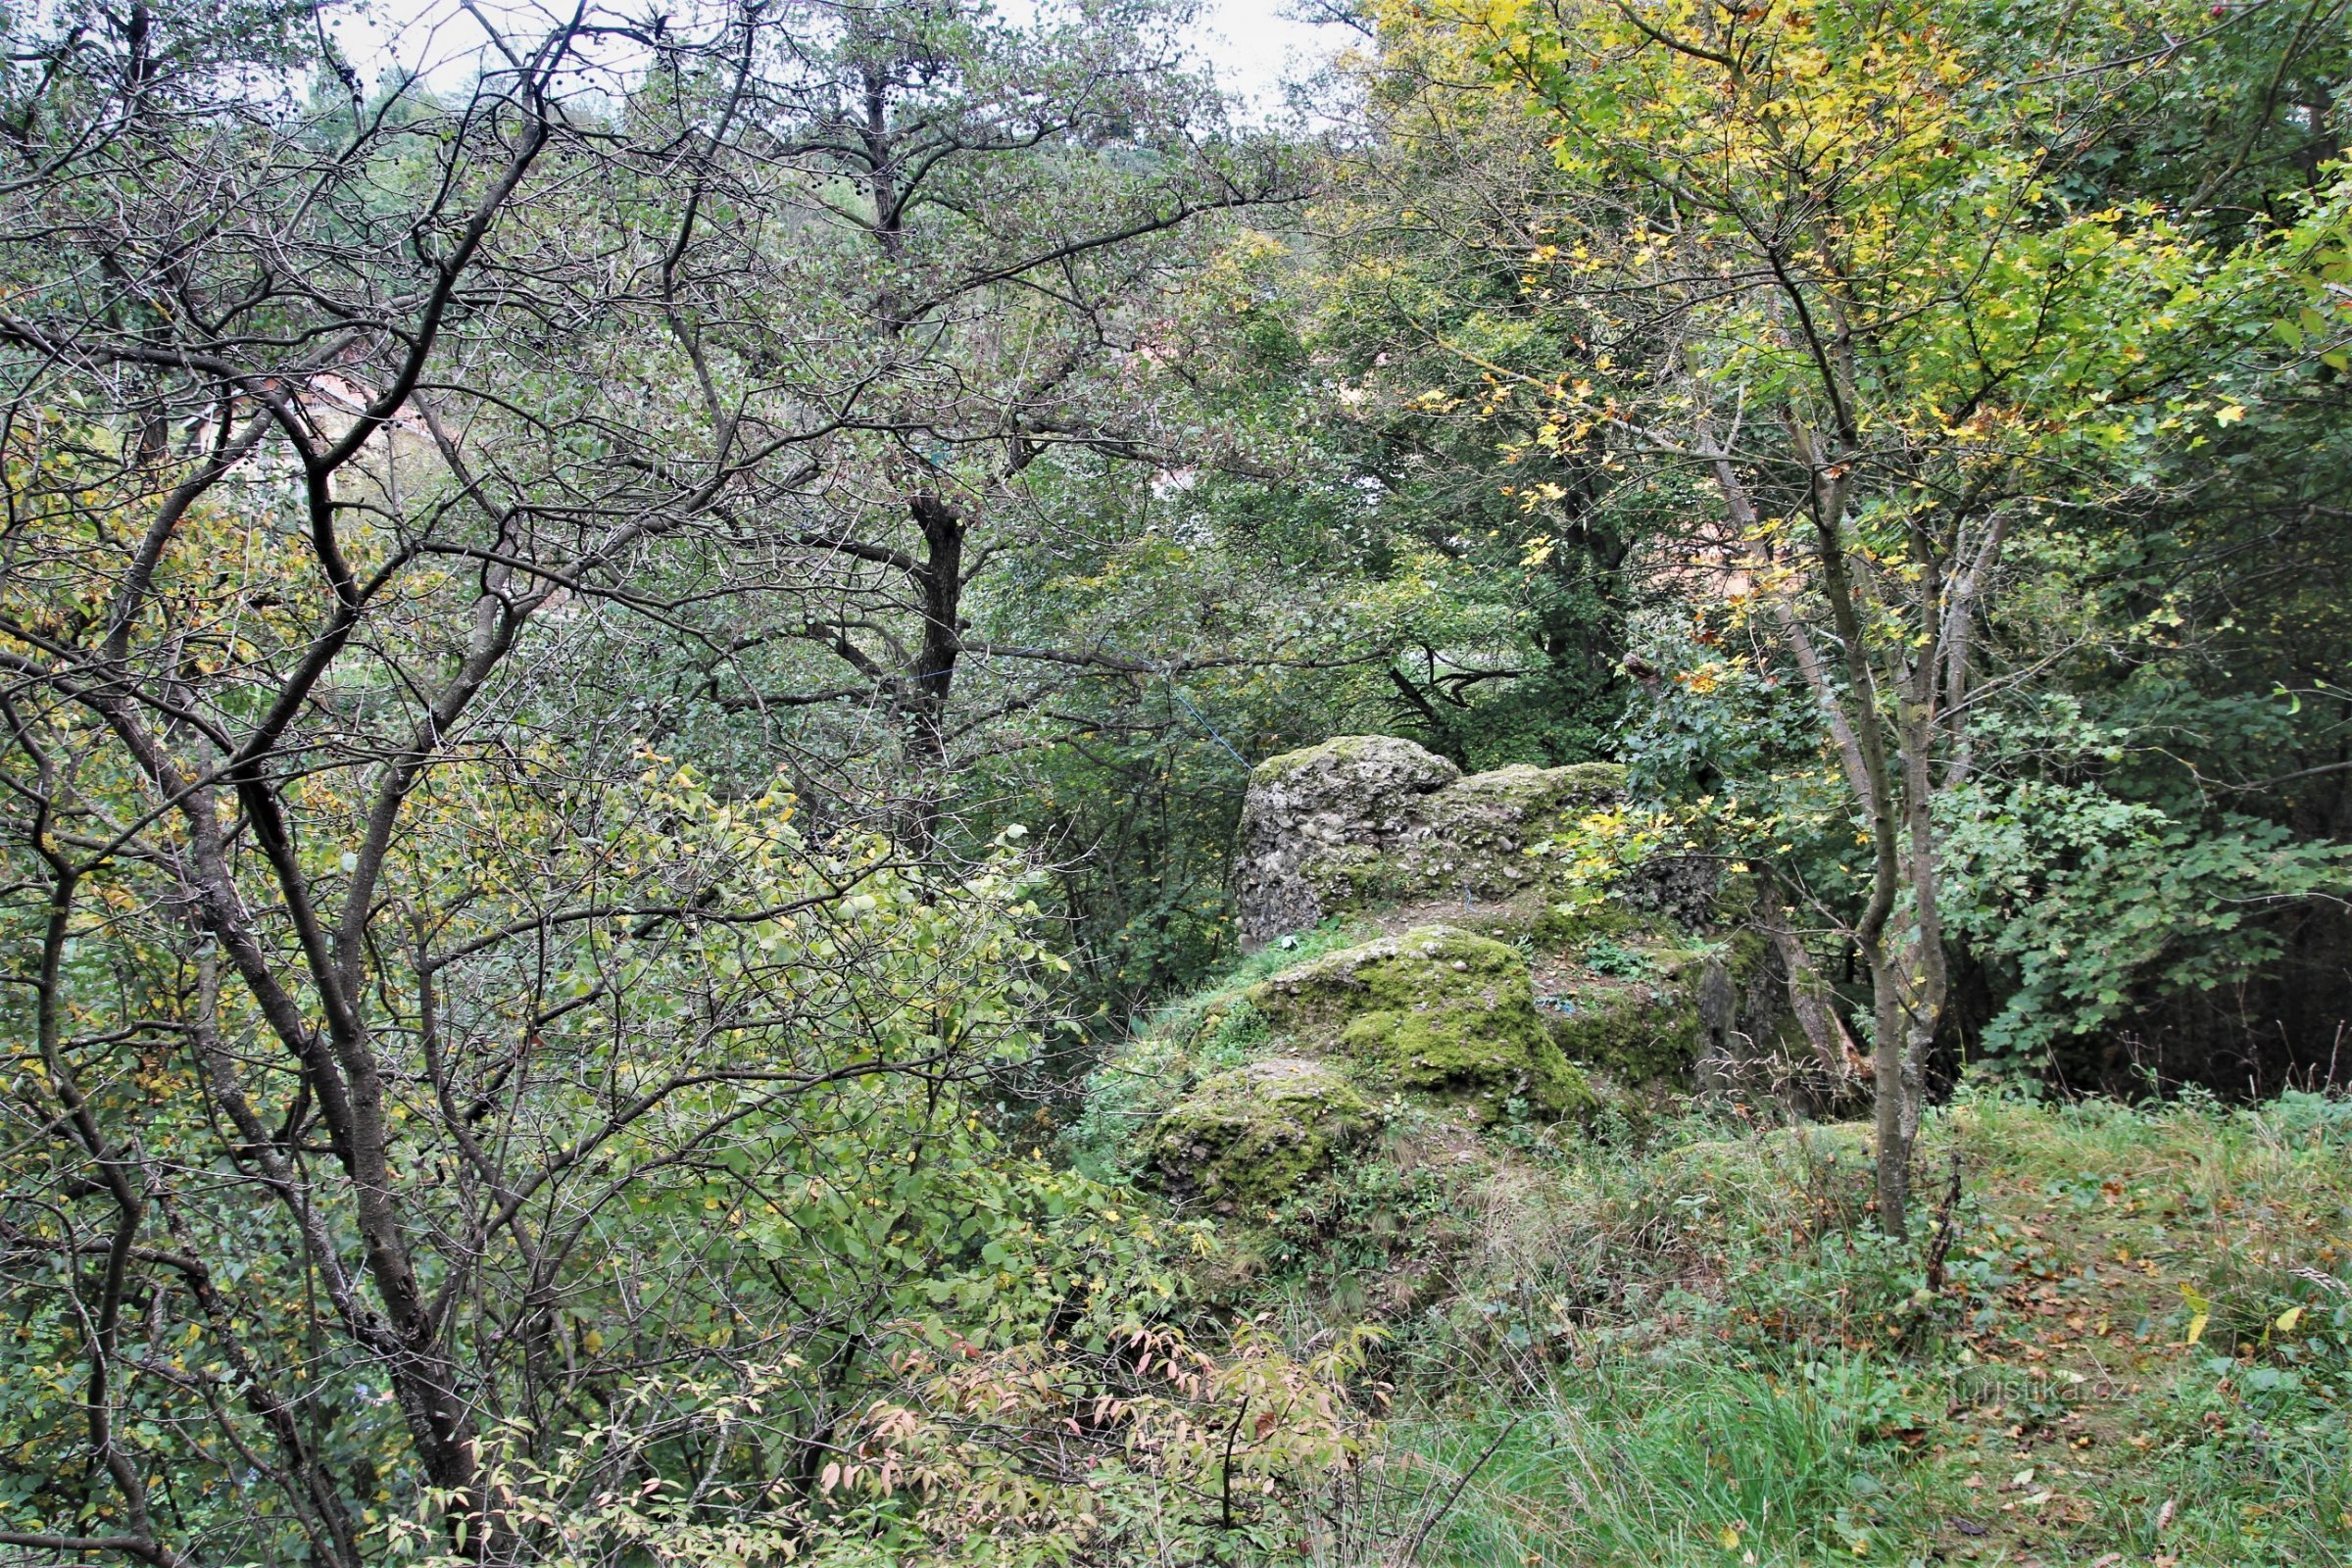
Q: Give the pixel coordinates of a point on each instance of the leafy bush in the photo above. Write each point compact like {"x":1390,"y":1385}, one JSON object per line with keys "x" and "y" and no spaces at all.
{"x":2089,"y":900}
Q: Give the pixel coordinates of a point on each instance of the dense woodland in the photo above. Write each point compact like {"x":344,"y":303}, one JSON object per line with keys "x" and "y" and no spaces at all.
{"x":628,"y":677}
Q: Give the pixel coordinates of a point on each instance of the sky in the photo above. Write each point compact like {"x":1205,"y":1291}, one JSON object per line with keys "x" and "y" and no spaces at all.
{"x":1251,"y":45}
{"x":1254,"y":47}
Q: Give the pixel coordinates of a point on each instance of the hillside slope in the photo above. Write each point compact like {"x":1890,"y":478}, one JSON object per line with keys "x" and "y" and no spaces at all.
{"x":1631,"y":1309}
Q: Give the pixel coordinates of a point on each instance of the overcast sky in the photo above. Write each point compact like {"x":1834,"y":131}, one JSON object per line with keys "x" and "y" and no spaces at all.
{"x":1251,"y":45}
{"x":1254,"y":48}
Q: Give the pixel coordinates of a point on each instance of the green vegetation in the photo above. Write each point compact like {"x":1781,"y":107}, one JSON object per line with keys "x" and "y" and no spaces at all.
{"x":1251,"y":1135}
{"x":1699,"y":1351}
{"x":858,"y":783}
{"x":2126,"y":1330}
{"x":1638,"y":1030}
{"x":1434,"y":1009}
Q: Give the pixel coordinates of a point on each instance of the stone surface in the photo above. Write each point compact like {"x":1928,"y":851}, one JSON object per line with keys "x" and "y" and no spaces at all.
{"x":1435,"y":1011}
{"x":1684,"y":1016}
{"x":1349,"y":797}
{"x":1641,"y":1033}
{"x":1368,"y":820}
{"x":1251,"y":1137}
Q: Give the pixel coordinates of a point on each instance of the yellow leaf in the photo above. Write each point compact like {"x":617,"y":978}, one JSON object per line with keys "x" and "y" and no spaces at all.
{"x":2196,"y":1328}
{"x":2229,"y":413}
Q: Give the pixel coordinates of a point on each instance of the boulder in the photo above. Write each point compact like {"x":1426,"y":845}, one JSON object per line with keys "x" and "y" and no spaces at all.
{"x":1249,"y":1138}
{"x":1435,"y":1011}
{"x":1645,"y":1004}
{"x":1369,"y":820}
{"x":1347,"y":798}
{"x":1472,"y":839}
{"x":1649,"y":979}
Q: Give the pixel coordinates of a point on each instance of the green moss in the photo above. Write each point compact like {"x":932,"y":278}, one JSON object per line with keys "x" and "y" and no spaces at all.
{"x":1339,"y":749}
{"x":1595,"y":781}
{"x":1746,"y":955}
{"x":1636,"y":1033}
{"x":1435,"y":1011}
{"x":1646,"y":1031}
{"x":1567,"y":925}
{"x":1251,"y":1137}
{"x":1489,"y":1060}
{"x":1221,"y":1007}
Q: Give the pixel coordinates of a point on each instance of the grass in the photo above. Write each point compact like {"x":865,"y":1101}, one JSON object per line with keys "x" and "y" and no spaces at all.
{"x":1700,"y":1354}
{"x":1205,"y":1031}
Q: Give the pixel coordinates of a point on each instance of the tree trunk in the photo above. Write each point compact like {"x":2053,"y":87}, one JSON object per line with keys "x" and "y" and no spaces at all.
{"x":1895,"y":1122}
{"x":926,"y":688}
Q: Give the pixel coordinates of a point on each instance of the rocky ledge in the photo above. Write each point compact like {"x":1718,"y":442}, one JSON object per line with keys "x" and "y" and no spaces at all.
{"x":1366,"y":821}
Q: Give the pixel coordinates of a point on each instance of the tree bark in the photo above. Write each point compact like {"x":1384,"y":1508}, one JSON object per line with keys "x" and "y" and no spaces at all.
{"x":924,"y":691}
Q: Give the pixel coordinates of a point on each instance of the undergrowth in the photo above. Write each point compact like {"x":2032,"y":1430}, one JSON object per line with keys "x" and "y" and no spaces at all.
{"x":1206,"y":1031}
{"x":2137,"y":1347}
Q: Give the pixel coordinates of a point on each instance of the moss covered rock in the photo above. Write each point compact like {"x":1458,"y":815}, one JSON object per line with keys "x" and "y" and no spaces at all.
{"x":1473,"y":838}
{"x":1645,"y":1006}
{"x":1435,"y":1011}
{"x":1637,"y":1034}
{"x":1250,"y":1138}
{"x":1365,"y":821}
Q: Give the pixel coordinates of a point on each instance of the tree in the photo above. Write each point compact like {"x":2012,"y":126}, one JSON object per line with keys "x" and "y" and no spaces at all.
{"x":1423,"y":338}
{"x":1833,"y":271}
{"x":930,"y":258}
{"x":406,"y":1061}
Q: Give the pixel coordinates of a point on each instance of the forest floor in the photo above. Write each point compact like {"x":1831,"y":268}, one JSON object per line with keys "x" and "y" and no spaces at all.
{"x":1697,"y":1351}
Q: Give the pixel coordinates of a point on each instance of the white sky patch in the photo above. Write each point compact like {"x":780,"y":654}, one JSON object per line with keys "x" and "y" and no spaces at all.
{"x":1252,"y":47}
{"x":1256,"y":49}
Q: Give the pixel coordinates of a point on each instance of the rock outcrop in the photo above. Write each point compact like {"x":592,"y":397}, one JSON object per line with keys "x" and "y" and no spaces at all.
{"x":1365,"y":821}
{"x":1345,"y":799}
{"x":1434,"y":1011}
{"x":1256,"y":1134}
{"x":1493,"y":974}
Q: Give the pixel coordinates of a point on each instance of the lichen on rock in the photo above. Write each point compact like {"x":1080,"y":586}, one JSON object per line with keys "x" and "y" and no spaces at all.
{"x":1367,"y":820}
{"x":1435,"y":1011}
{"x":1348,"y":798}
{"x":1254,"y":1136}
